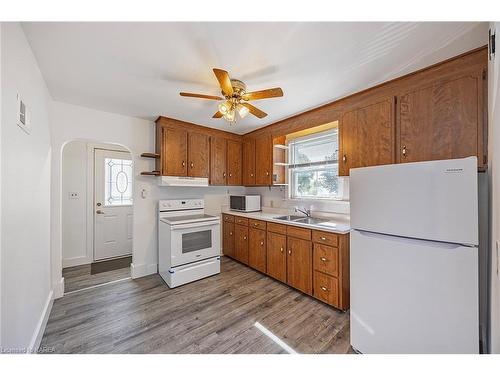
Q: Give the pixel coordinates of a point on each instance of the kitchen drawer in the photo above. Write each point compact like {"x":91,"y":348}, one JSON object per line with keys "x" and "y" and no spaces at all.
{"x":228,"y":218}
{"x":326,"y":288}
{"x":257,"y":224}
{"x":297,"y":232}
{"x":326,"y":259}
{"x":276,"y":228}
{"x":241,"y":220}
{"x":325,"y":238}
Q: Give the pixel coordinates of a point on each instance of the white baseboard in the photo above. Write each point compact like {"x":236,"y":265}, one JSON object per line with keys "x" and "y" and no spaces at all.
{"x":42,"y":323}
{"x":76,"y":261}
{"x":58,"y":288}
{"x":141,"y":270}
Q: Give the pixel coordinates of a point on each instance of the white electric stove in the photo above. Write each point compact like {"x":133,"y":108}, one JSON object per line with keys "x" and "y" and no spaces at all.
{"x":188,"y":241}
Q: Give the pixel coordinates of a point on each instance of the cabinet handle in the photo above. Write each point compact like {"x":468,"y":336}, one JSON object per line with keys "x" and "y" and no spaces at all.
{"x":322,"y":238}
{"x":183,"y":163}
{"x":267,"y":173}
{"x":230,"y":233}
{"x":323,"y":259}
{"x":245,"y":238}
{"x":255,"y":224}
{"x":404,"y":151}
{"x":261,"y":243}
{"x":251,"y":174}
{"x":324,"y":288}
{"x":344,"y":158}
{"x":289,"y":252}
{"x":192,"y":164}
{"x":281,"y":250}
{"x":224,"y":174}
{"x":230,"y":174}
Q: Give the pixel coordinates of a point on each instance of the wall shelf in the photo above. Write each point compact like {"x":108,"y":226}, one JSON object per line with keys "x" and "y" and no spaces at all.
{"x":150,"y":155}
{"x":152,"y":173}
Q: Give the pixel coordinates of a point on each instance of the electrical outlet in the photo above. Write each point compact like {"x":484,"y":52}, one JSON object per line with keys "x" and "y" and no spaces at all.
{"x":73,"y":195}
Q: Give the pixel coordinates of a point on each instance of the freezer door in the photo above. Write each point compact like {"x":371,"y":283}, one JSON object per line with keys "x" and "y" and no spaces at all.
{"x":434,"y":200}
{"x":413,"y":296}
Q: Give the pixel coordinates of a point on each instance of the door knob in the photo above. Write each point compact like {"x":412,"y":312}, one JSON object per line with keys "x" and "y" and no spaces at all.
{"x":99,"y":212}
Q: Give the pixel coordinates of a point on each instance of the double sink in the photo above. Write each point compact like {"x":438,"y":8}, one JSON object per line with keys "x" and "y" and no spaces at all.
{"x":302,"y":219}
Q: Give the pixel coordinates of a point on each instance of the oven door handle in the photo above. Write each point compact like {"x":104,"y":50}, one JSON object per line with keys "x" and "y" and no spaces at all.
{"x":199,"y":224}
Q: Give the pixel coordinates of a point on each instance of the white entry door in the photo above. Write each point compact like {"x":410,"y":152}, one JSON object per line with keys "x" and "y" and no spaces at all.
{"x":113,"y":184}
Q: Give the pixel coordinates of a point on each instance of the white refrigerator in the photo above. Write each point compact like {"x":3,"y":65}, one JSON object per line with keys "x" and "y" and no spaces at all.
{"x":414,"y":257}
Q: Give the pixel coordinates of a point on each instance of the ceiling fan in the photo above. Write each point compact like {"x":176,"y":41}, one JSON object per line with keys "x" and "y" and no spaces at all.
{"x":236,"y":98}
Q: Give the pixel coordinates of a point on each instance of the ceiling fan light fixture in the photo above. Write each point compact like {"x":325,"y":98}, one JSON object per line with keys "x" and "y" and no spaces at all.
{"x":225,"y":107}
{"x":230,"y":115}
{"x":242,"y":110}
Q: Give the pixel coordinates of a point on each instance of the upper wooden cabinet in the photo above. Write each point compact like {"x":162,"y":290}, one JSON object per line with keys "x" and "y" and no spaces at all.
{"x":218,"y":157}
{"x":367,"y":136}
{"x":234,"y":163}
{"x":174,"y":156}
{"x":248,"y":161}
{"x":442,"y":121}
{"x":198,"y":155}
{"x":263,"y":160}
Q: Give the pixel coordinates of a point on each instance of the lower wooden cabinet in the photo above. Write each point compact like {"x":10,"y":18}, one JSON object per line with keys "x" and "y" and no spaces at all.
{"x":276,"y":256}
{"x":257,"y":249}
{"x":326,"y":288}
{"x":241,"y":243}
{"x":314,"y":262}
{"x":299,"y":264}
{"x":228,"y":239}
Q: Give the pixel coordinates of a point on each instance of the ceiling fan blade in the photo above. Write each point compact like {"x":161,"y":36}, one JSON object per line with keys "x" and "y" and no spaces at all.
{"x":202,"y":96}
{"x":254,"y":110}
{"x":217,"y":115}
{"x":224,"y":81}
{"x":263,"y":94}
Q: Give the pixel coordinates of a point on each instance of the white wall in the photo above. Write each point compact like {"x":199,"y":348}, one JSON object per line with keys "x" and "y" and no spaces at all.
{"x":494,"y":171}
{"x":71,"y":122}
{"x":25,"y":195}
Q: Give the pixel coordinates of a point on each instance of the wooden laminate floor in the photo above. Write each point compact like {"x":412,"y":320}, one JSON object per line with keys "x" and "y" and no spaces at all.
{"x":213,"y":315}
{"x":80,"y":277}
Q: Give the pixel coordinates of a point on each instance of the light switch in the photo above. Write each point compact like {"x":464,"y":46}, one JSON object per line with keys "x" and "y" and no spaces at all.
{"x":73,"y":195}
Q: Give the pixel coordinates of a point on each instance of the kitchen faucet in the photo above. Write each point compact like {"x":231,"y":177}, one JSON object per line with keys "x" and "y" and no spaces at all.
{"x":304,"y":211}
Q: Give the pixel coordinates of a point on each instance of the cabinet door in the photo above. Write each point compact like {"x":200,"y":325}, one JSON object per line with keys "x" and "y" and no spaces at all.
{"x":234,"y":163}
{"x":299,"y":264}
{"x":257,"y":249}
{"x":249,"y":162}
{"x":241,"y":243}
{"x":276,"y":256}
{"x":218,"y":157}
{"x":441,"y":121}
{"x":367,"y":136}
{"x":174,"y":152}
{"x":198,"y":155}
{"x":228,"y":239}
{"x":263,"y":160}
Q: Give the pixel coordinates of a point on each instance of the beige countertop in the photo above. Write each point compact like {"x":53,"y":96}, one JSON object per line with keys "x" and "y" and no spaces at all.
{"x":335,"y":223}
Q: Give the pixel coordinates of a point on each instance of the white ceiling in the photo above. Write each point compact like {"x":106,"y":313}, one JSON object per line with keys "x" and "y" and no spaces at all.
{"x":138,"y":69}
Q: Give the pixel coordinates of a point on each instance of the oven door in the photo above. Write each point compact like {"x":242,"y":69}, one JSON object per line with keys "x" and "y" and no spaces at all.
{"x":194,"y":241}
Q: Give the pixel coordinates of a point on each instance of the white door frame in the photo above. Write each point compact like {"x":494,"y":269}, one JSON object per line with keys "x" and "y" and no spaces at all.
{"x":90,"y":190}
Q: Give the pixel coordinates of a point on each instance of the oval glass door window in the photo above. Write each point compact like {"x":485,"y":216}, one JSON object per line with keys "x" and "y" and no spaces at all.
{"x":117,"y":182}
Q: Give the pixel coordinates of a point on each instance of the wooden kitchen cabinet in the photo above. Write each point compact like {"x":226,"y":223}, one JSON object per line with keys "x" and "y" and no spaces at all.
{"x":299,"y":264}
{"x":241,"y":243}
{"x":248,"y":161}
{"x":234,"y":163}
{"x":228,"y":239}
{"x":367,"y":136}
{"x":174,"y":156}
{"x":198,"y":155}
{"x":263,"y":160}
{"x":218,"y":157}
{"x":442,"y":121}
{"x":276,"y":255}
{"x":257,"y":249}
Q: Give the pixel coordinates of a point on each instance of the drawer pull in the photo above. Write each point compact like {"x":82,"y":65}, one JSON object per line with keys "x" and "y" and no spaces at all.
{"x":255,"y":224}
{"x":323,"y":288}
{"x":322,"y":238}
{"x":323,"y":259}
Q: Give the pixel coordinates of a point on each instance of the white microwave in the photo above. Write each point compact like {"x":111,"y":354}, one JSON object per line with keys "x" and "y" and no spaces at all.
{"x":244,"y":203}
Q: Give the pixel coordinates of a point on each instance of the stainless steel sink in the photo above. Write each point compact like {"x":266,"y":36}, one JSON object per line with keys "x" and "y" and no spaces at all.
{"x":289,"y":217}
{"x":310,"y":220}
